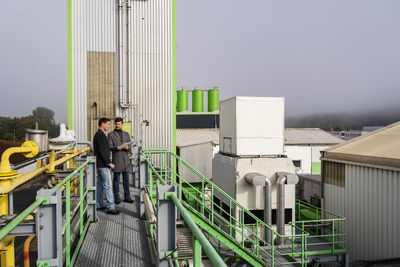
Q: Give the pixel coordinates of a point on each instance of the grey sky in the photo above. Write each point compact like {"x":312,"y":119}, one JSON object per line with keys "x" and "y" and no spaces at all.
{"x":323,"y":56}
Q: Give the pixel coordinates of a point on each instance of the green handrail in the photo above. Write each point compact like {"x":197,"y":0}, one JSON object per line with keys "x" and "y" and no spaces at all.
{"x":212,"y":254}
{"x":237,"y":228}
{"x":69,"y":259}
{"x":17,"y":220}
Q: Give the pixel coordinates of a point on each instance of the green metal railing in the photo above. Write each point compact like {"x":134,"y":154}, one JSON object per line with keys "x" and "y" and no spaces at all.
{"x":222,"y":216}
{"x":325,"y":228}
{"x":76,"y":204}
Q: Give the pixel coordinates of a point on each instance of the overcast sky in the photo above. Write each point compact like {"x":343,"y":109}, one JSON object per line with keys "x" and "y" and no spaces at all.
{"x":322,"y":56}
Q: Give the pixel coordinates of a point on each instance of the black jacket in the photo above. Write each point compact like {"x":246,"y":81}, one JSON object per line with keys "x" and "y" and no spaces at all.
{"x":101,"y":149}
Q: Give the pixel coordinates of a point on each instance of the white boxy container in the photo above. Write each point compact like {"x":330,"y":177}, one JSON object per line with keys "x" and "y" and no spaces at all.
{"x":252,"y":126}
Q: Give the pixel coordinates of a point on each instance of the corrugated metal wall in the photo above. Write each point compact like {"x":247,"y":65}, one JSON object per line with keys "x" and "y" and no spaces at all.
{"x":370,"y":202}
{"x":151,"y":67}
{"x":200,"y":157}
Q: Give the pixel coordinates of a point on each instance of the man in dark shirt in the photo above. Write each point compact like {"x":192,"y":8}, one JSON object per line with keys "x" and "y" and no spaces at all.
{"x":103,"y":162}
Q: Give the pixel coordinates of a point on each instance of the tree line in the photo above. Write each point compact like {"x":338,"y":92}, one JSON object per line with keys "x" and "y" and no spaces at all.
{"x":13,"y":129}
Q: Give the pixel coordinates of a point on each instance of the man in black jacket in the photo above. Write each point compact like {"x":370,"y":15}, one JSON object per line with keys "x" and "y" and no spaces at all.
{"x":103,"y":162}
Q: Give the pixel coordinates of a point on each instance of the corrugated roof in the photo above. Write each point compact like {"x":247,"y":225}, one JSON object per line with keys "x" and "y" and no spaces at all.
{"x":15,"y":158}
{"x":293,"y":136}
{"x":381,"y":147}
{"x":185,"y":136}
{"x":309,"y":136}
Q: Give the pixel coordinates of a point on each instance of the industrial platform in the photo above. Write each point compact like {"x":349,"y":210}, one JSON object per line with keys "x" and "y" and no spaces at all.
{"x":120,"y":240}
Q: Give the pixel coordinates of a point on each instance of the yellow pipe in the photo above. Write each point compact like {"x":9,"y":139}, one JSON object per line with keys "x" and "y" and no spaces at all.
{"x":5,"y":188}
{"x":28,"y":148}
{"x":52,"y":157}
{"x":27,"y":244}
{"x":38,"y":163}
{"x":7,"y":251}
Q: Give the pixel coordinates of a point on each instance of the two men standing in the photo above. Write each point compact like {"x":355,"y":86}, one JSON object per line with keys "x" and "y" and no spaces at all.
{"x":119,"y":143}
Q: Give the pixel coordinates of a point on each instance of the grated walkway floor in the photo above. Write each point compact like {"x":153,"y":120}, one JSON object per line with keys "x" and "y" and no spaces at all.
{"x":120,"y":240}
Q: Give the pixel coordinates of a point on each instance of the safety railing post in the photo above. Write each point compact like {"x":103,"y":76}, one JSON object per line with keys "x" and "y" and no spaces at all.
{"x":49,"y":228}
{"x":81,"y":202}
{"x":135,"y":161}
{"x":143,"y":178}
{"x":91,"y":188}
{"x":166,"y":225}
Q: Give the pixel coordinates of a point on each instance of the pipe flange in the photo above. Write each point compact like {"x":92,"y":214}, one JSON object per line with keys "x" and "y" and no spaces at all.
{"x":8,"y":175}
{"x":34,"y":146}
{"x":51,"y":172}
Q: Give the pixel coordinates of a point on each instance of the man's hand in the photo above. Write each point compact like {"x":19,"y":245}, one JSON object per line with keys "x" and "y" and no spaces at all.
{"x":126,"y":147}
{"x":120,"y":148}
{"x":112,"y":166}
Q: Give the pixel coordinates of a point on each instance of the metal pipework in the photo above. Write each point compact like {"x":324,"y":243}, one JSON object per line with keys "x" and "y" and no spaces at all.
{"x":5,"y":188}
{"x":27,"y":244}
{"x":29,"y":149}
{"x":7,"y":246}
{"x":257,"y":179}
{"x":282,"y":179}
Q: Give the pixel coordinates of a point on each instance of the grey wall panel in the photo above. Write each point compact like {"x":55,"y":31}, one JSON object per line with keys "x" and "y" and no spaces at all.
{"x":199,"y":156}
{"x":370,"y":202}
{"x":151,"y":72}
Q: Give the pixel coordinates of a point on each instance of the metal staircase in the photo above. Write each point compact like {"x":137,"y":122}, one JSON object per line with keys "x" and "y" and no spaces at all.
{"x":222,"y":217}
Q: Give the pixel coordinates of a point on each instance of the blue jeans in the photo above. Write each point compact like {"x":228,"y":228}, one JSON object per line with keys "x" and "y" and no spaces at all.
{"x":104,"y":184}
{"x":125,"y":182}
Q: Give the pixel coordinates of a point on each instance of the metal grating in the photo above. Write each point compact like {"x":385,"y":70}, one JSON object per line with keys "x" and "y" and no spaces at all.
{"x":120,"y":240}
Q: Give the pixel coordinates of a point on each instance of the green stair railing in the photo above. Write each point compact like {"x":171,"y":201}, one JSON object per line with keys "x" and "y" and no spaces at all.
{"x":325,"y":229}
{"x":222,"y":216}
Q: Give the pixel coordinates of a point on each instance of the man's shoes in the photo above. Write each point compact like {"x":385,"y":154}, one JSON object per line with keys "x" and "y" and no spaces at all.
{"x":114,"y":212}
{"x":128,"y":200}
{"x":117,"y":201}
{"x":102,"y":208}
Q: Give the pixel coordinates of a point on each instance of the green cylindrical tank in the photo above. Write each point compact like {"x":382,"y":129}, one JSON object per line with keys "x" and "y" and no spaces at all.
{"x":213,"y":100}
{"x":182,"y":101}
{"x":197,"y":100}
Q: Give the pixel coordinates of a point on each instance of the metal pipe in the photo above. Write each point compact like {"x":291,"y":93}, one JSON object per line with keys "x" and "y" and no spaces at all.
{"x":8,"y":255}
{"x":7,"y":187}
{"x":257,"y":179}
{"x":212,"y":254}
{"x":121,"y":55}
{"x":267,"y":210}
{"x":28,"y":148}
{"x":128,"y":34}
{"x":280,"y":195}
{"x":27,"y":244}
{"x":282,"y":179}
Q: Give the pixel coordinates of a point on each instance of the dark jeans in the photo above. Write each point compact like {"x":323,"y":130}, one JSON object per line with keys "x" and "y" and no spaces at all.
{"x":125,"y":182}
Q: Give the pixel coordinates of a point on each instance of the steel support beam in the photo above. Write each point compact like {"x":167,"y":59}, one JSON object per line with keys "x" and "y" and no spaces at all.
{"x":49,"y":228}
{"x":91,"y":185}
{"x":166,"y":224}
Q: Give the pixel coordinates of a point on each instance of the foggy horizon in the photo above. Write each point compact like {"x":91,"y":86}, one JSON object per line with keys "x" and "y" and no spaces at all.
{"x":323,"y":57}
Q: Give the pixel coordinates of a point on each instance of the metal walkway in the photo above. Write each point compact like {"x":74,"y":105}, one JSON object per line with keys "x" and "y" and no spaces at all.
{"x":120,"y":240}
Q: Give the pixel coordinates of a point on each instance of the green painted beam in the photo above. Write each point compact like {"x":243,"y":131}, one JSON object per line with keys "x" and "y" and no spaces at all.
{"x":228,"y":242}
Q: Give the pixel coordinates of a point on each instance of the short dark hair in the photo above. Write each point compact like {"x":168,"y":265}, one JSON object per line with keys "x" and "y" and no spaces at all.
{"x":119,"y":119}
{"x":103,"y":120}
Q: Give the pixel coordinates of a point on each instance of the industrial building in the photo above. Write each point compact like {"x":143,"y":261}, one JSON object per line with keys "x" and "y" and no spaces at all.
{"x":361,"y":181}
{"x":121,"y":62}
{"x":303,"y":146}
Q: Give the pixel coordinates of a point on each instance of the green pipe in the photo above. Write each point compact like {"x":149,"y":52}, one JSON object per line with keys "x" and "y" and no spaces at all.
{"x":17,"y":220}
{"x":198,"y":234}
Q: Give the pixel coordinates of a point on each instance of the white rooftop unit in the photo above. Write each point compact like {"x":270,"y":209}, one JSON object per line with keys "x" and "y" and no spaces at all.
{"x":252,"y":126}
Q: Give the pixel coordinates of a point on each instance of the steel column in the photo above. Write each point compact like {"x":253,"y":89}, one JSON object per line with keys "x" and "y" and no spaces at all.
{"x":166,"y":224}
{"x":91,"y":186}
{"x":49,"y":228}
